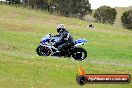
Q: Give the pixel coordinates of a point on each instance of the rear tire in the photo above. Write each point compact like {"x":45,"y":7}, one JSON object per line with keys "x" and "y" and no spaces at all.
{"x":79,"y":53}
{"x":43,"y":51}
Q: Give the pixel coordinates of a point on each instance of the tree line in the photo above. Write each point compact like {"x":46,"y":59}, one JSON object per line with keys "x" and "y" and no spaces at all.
{"x":78,"y":9}
{"x":68,"y":8}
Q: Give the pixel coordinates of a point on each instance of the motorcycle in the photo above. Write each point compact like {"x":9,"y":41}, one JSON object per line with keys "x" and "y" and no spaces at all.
{"x":46,"y":48}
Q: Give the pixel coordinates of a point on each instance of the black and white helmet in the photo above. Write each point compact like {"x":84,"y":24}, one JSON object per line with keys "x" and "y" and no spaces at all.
{"x":61,"y":28}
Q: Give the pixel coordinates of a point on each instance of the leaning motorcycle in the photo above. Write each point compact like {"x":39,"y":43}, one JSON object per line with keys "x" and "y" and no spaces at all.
{"x":46,"y":48}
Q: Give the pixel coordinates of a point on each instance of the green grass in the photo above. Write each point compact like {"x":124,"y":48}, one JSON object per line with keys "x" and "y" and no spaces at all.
{"x":21,"y":29}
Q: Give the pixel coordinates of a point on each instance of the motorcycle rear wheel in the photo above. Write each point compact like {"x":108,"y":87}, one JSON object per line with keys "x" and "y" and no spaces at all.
{"x":79,"y":53}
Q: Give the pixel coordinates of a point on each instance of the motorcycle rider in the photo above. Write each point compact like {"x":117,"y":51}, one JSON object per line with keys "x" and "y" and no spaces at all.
{"x":65,"y":39}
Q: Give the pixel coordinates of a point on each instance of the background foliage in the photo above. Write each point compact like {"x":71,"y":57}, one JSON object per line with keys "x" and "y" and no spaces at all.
{"x":105,"y":14}
{"x":126,"y":19}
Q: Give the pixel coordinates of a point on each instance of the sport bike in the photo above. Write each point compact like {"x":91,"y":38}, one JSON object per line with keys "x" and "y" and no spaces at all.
{"x":46,"y":48}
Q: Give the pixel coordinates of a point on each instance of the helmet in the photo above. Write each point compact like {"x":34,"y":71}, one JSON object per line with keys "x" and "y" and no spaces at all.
{"x":60,"y":28}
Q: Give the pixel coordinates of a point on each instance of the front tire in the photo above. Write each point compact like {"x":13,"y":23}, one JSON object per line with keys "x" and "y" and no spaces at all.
{"x":79,"y":53}
{"x":43,"y":51}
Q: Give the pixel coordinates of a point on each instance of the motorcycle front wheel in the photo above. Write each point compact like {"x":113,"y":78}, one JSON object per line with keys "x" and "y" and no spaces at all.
{"x":43,"y":51}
